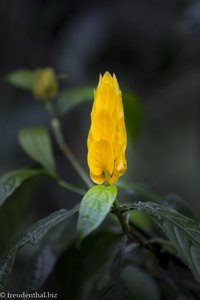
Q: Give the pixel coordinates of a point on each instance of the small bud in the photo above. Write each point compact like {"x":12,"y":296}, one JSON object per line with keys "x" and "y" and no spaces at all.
{"x":45,"y":85}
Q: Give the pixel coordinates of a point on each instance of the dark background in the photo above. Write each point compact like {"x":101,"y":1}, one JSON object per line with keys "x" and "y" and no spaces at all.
{"x":153,"y":47}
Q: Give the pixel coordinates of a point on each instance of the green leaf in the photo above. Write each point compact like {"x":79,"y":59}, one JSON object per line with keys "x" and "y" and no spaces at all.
{"x":94,"y":208}
{"x":22,"y":78}
{"x":140,"y":220}
{"x":48,"y":253}
{"x":36,"y":143}
{"x":10,"y":181}
{"x":43,"y":266}
{"x":133,"y":113}
{"x":183,"y":232}
{"x":70,"y":98}
{"x":33,"y":235}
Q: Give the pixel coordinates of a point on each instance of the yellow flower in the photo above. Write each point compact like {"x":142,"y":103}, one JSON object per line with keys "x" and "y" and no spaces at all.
{"x":107,"y":136}
{"x":45,"y":85}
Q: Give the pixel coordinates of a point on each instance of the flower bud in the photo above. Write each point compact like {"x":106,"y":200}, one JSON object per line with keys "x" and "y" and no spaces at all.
{"x":45,"y":86}
{"x":107,"y":136}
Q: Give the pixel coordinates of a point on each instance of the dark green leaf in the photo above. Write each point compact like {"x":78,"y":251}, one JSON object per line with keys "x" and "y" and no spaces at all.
{"x":22,"y":78}
{"x":10,"y":181}
{"x":36,"y":143}
{"x":94,"y":208}
{"x":183,"y":232}
{"x":73,"y":97}
{"x":43,"y":265}
{"x":33,"y":235}
{"x":47,"y":255}
{"x":133,"y":113}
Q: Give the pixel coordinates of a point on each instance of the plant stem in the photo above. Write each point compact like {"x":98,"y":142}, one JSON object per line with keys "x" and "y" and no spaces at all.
{"x":55,"y":123}
{"x":71,"y":187}
{"x":118,"y":213}
{"x":125,"y":227}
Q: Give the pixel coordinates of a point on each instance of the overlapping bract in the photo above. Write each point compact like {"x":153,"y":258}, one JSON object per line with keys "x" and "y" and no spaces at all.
{"x":107,"y":136}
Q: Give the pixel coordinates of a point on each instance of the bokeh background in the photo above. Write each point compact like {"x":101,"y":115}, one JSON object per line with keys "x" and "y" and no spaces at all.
{"x":153,"y":47}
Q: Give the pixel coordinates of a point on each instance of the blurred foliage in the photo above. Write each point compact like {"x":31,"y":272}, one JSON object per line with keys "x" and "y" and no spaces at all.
{"x":36,"y":143}
{"x":133,"y":113}
{"x":71,"y":98}
{"x":24,"y":79}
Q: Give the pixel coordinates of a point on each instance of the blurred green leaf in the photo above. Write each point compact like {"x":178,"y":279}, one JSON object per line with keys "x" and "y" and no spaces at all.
{"x":145,"y":192}
{"x":115,"y":287}
{"x":140,"y":220}
{"x":72,"y":97}
{"x":22,"y":78}
{"x":10,"y":181}
{"x":94,"y":208}
{"x":183,"y":232}
{"x":32,"y":236}
{"x":36,"y":143}
{"x":87,"y":265}
{"x":166,"y":244}
{"x":136,"y":279}
{"x":133,"y":113}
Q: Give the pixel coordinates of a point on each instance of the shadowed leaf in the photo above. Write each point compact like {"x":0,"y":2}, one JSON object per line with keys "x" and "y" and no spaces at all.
{"x":183,"y":232}
{"x":10,"y":181}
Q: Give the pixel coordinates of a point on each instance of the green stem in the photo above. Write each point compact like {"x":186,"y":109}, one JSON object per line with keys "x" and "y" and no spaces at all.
{"x":71,"y":187}
{"x":56,"y":127}
{"x":118,"y":213}
{"x":125,"y":227}
{"x":55,"y":123}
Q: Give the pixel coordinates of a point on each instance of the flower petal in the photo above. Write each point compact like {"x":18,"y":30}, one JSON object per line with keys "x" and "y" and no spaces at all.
{"x":103,"y":126}
{"x":100,"y":158}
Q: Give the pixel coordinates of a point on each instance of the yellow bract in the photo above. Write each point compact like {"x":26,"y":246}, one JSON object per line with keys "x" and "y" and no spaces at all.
{"x":107,"y":136}
{"x":46,"y":85}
